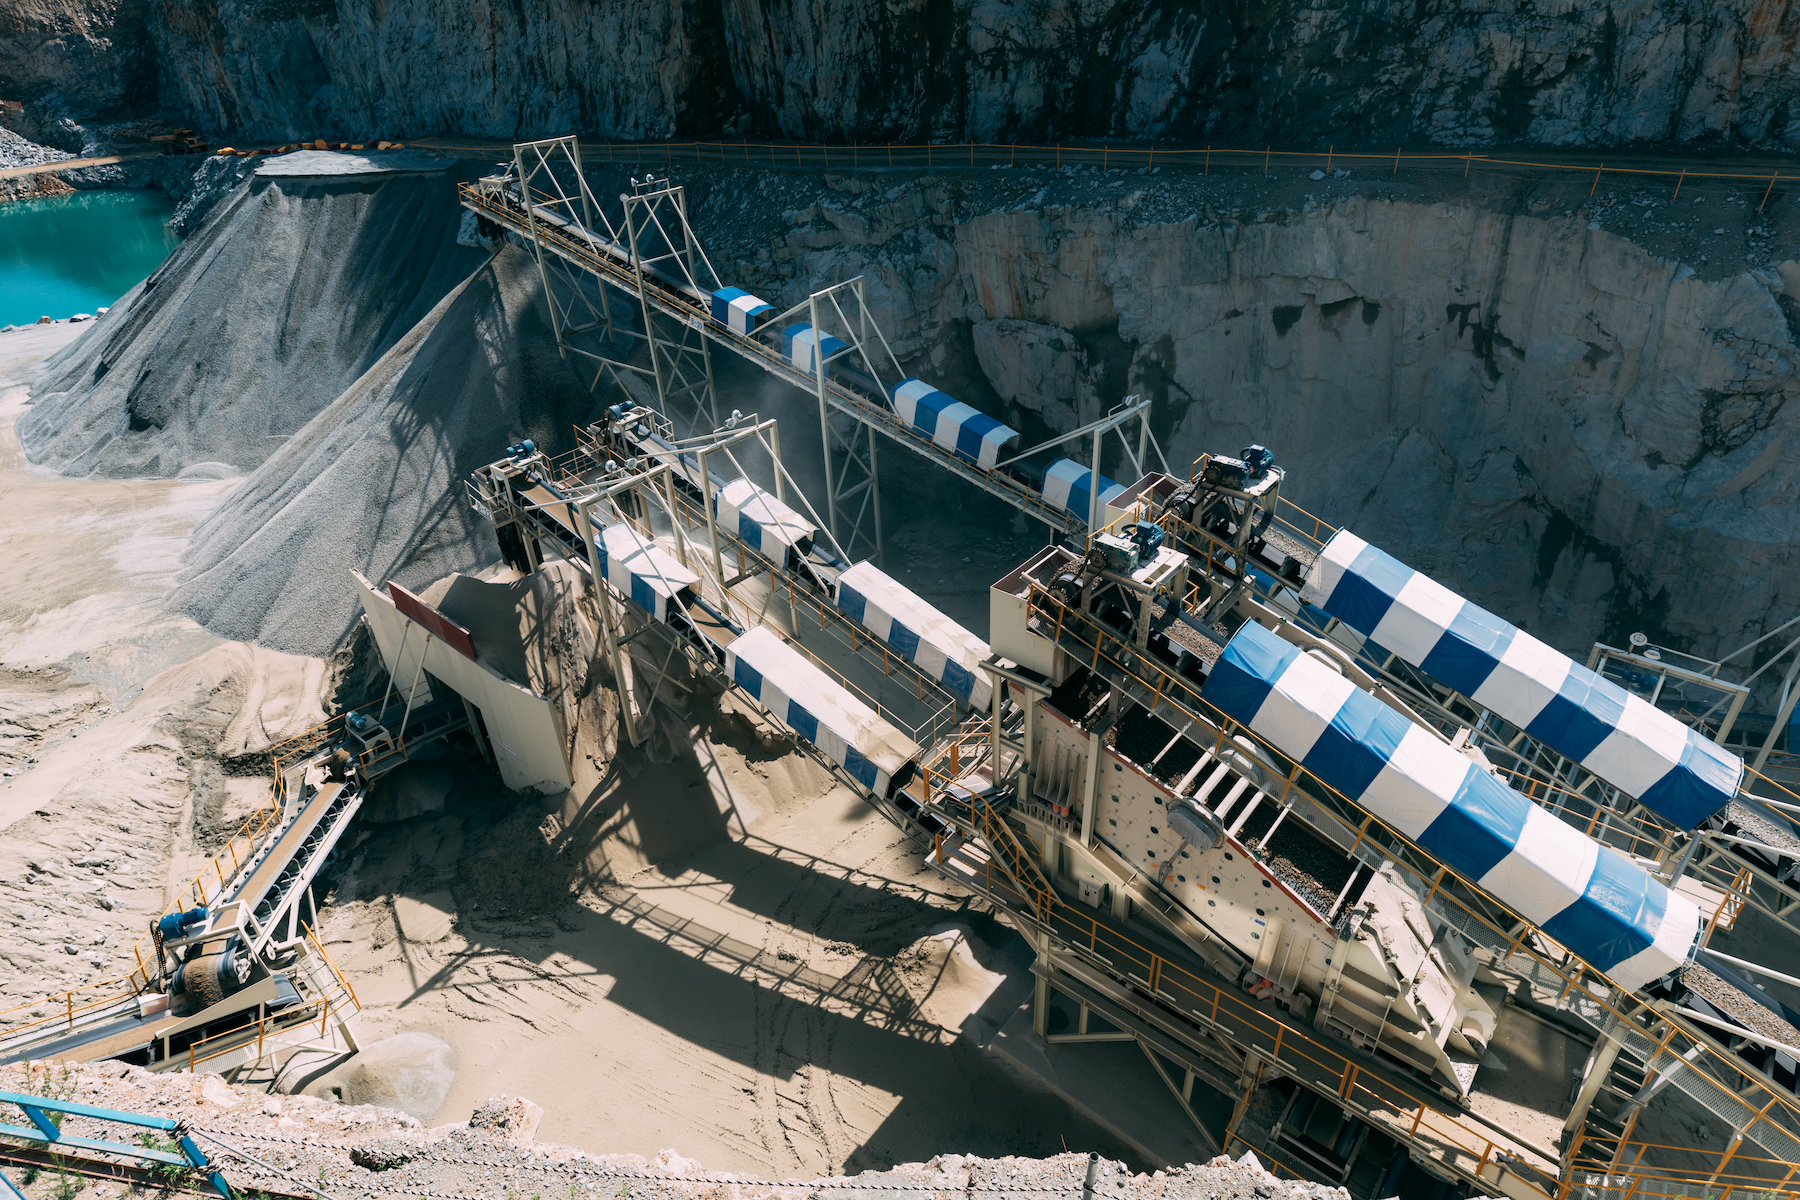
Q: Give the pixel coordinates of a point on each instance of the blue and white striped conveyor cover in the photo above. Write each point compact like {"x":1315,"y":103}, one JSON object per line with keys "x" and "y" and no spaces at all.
{"x":762,"y":522}
{"x":737,"y":309}
{"x":819,"y":709}
{"x":955,"y":426}
{"x":1066,"y":485}
{"x":1673,"y":769}
{"x":1589,"y":897}
{"x":800,"y":343}
{"x":921,"y":634}
{"x":641,"y":569}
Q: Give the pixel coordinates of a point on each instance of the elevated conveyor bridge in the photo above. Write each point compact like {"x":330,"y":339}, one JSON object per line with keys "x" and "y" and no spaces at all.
{"x":654,"y":258}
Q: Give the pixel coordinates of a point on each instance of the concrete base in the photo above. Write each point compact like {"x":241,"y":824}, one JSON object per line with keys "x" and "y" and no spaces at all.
{"x":1113,"y":1085}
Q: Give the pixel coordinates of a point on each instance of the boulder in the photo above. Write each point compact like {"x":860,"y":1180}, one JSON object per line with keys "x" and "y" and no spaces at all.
{"x":511,"y":1118}
{"x":386,"y":1153}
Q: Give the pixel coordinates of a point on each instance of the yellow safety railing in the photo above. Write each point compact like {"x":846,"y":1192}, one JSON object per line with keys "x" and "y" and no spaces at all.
{"x":1622,"y":1172}
{"x":1131,"y":155}
{"x":1412,"y":1115}
{"x":335,"y":1000}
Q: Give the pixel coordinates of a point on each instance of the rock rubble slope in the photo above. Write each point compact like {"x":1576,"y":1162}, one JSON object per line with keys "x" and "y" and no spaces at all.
{"x":291,"y":290}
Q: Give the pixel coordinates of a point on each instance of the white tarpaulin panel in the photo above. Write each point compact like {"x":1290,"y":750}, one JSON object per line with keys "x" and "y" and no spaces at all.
{"x":1672,"y":768}
{"x":1068,"y":485}
{"x":641,"y":569}
{"x":957,"y":427}
{"x":819,"y":709}
{"x":1600,"y":904}
{"x":763,"y":522}
{"x":920,"y":633}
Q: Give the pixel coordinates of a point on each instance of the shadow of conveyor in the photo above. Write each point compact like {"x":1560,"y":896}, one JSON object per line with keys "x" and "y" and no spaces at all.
{"x":877,"y":1069}
{"x":780,"y":1020}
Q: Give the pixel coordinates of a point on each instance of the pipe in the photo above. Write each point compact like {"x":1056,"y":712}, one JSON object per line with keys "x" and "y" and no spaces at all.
{"x":1777,"y":976}
{"x":1739,"y":1031}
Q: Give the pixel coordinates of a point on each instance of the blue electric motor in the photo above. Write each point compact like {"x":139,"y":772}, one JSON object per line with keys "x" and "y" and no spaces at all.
{"x":1259,"y":459}
{"x":1149,"y":537}
{"x":362,"y":724}
{"x":521,"y":449}
{"x":176,"y":924}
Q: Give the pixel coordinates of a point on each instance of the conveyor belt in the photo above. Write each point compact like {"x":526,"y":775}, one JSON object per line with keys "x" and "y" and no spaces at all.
{"x":710,"y":627}
{"x":251,"y":894}
{"x":598,"y":256}
{"x":551,"y":506}
{"x":82,"y":1047}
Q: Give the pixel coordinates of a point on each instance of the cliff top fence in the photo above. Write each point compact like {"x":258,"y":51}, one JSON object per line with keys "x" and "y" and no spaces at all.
{"x":1759,"y":175}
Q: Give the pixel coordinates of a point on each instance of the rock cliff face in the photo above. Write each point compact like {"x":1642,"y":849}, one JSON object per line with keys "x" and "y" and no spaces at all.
{"x":1368,"y":72}
{"x":644,"y":68}
{"x":61,"y":59}
{"x":1572,"y":428}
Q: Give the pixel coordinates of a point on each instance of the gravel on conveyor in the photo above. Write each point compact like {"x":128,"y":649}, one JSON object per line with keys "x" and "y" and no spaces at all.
{"x":303,"y":1146}
{"x":1768,"y":832}
{"x":1739,"y":1007}
{"x":1313,"y":869}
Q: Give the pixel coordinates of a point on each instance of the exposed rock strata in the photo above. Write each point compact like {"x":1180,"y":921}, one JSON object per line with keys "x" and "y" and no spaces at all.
{"x":1579,"y":432}
{"x":1370,"y":72}
{"x":66,"y":59}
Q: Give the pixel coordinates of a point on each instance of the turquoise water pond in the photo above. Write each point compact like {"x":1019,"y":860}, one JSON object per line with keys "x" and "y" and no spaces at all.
{"x":78,"y":253}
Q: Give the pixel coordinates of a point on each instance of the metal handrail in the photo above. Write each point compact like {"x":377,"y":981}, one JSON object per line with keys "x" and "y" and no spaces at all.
{"x":1516,"y":944}
{"x":1377,"y":1097}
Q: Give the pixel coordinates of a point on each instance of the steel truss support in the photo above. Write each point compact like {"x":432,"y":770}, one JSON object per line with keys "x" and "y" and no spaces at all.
{"x":663,"y":241}
{"x":852,"y":481}
{"x":653,"y":234}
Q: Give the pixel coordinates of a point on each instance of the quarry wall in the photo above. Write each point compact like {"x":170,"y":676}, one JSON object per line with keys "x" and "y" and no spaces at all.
{"x":1574,"y":429}
{"x":1369,"y":72}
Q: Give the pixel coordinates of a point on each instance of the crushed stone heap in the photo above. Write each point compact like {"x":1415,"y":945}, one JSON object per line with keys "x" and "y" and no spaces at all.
{"x":291,"y":289}
{"x":300,"y":1144}
{"x":324,"y":333}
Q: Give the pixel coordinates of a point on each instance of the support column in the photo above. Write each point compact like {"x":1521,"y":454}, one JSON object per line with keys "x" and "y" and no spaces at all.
{"x":621,"y":663}
{"x":1090,"y":786}
{"x":1040,"y":996}
{"x":1599,"y":1066}
{"x":1028,"y":763}
{"x":481,"y":742}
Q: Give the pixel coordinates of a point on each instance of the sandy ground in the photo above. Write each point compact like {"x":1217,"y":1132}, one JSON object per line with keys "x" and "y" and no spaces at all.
{"x":727,"y":954}
{"x":114,"y":713}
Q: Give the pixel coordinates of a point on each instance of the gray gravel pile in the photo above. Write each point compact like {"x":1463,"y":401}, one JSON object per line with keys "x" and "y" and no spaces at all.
{"x":374,"y":482}
{"x":16,"y":151}
{"x":216,"y":179}
{"x":288,"y":292}
{"x":297,"y":1144}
